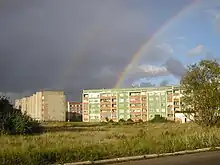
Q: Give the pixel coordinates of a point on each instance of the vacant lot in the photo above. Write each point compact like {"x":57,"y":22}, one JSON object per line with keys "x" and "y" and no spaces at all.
{"x":71,"y":142}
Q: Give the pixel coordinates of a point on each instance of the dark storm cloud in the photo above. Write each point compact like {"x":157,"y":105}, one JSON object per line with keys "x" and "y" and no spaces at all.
{"x":66,"y":45}
{"x":70,"y":45}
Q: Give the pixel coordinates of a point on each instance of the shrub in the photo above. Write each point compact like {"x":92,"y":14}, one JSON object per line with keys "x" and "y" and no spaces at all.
{"x":106,"y":119}
{"x":12,"y":121}
{"x":158,"y":119}
{"x":130,"y":121}
{"x":140,"y":121}
{"x":111,"y":121}
{"x":122,"y":121}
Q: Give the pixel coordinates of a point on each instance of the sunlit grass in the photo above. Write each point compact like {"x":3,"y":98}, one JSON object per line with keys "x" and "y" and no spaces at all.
{"x":86,"y":142}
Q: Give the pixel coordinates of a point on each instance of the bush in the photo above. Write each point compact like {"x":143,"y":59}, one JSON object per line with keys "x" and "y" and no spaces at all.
{"x":130,"y":121}
{"x":158,"y":119}
{"x":122,"y":121}
{"x":140,"y":121}
{"x":111,"y":121}
{"x":12,"y":121}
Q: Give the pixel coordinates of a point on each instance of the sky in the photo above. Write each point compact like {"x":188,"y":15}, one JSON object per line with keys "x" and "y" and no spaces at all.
{"x":73,"y":45}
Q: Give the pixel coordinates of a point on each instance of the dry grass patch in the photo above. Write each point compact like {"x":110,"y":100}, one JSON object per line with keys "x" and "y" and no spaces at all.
{"x":104,"y":141}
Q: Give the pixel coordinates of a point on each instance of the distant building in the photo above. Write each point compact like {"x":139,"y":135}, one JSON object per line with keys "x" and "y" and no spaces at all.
{"x":74,"y":111}
{"x":44,"y":105}
{"x":75,"y":107}
{"x":131,"y":103}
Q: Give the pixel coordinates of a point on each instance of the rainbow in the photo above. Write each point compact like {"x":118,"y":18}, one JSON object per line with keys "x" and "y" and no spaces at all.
{"x":149,"y":43}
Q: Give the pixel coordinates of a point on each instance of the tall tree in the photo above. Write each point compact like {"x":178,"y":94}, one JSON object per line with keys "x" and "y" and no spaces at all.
{"x":201,"y":92}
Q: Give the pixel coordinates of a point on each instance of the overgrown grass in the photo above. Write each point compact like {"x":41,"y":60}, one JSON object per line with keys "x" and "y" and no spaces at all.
{"x":86,"y":142}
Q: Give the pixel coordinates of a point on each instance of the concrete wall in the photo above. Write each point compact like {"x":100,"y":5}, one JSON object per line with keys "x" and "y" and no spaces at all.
{"x":18,"y":103}
{"x":38,"y":106}
{"x":24,"y":104}
{"x":54,"y":106}
{"x":44,"y":106}
{"x":184,"y":118}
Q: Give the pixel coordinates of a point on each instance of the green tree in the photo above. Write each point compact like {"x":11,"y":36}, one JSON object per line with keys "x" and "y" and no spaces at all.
{"x":12,"y":121}
{"x":201,"y":92}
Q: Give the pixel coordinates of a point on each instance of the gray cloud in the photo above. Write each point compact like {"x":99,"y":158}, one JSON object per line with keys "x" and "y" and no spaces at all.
{"x":164,"y":82}
{"x":70,"y":45}
{"x":175,"y":67}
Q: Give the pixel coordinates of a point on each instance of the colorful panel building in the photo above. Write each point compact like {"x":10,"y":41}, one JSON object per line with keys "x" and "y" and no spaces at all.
{"x":130,"y":103}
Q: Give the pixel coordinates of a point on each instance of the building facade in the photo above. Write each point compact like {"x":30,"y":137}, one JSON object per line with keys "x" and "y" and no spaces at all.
{"x":74,"y":107}
{"x":44,"y":106}
{"x":74,"y":111}
{"x":130,"y":103}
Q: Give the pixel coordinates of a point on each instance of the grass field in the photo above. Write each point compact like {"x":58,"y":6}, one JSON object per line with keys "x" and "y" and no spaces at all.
{"x":71,"y":142}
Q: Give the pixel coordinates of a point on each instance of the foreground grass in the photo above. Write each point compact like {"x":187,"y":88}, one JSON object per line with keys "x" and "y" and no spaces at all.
{"x":86,"y":142}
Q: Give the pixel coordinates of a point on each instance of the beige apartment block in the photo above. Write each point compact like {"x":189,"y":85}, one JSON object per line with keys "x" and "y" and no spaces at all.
{"x":18,"y":103}
{"x":44,"y":106}
{"x":24,"y":104}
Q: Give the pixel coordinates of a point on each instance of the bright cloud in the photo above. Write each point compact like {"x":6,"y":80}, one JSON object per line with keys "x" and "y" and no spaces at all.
{"x":165,"y":47}
{"x":152,"y":70}
{"x":197,"y":50}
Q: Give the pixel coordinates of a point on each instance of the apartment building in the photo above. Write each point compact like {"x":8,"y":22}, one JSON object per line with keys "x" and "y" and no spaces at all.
{"x":131,"y":103}
{"x":74,"y":111}
{"x":74,"y":107}
{"x":44,"y":105}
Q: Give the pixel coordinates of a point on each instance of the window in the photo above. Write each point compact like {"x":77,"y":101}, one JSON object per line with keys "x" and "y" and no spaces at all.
{"x":176,"y":109}
{"x":163,"y":104}
{"x":137,"y":110}
{"x":151,"y":116}
{"x":121,"y":110}
{"x":163,"y":93}
{"x":121,"y":100}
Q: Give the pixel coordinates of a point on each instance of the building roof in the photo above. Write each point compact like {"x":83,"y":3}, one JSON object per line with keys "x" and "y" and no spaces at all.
{"x":130,"y":89}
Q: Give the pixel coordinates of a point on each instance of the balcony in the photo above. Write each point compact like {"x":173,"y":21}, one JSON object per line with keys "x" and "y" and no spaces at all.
{"x":135,"y":96}
{"x":114,"y":97}
{"x":114,"y":100}
{"x":105,"y":102}
{"x":135,"y":107}
{"x":105,"y":97}
{"x":109,"y":108}
{"x":176,"y":94}
{"x":135,"y":101}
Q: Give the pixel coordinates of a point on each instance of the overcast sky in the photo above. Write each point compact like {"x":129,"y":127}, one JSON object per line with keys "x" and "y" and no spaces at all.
{"x":79,"y":44}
